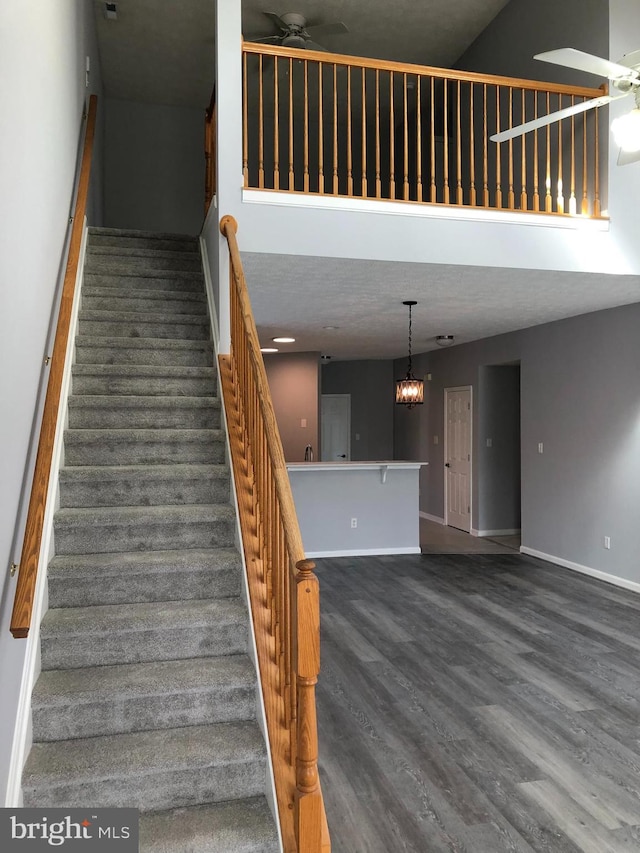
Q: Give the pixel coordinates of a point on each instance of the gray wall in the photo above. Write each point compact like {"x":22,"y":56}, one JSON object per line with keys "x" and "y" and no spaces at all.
{"x":42,"y":67}
{"x":294,"y":382}
{"x":499,"y":465}
{"x":154,"y":167}
{"x":371,"y":385}
{"x":579,"y":397}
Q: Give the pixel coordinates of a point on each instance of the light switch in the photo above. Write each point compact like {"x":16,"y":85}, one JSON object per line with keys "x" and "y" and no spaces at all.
{"x":540,"y":447}
{"x":489,"y":442}
{"x":303,"y":422}
{"x":435,"y":439}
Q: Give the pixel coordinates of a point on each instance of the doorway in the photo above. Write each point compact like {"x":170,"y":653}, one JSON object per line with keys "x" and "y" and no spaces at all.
{"x":457,"y":456}
{"x":335,"y":427}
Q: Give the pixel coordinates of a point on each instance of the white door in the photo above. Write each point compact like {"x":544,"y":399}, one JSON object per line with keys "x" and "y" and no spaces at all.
{"x":335,"y":427}
{"x":457,"y":453}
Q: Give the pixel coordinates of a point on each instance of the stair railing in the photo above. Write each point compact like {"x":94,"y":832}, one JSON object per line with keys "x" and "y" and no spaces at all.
{"x":283,"y":587}
{"x":210,"y":152}
{"x":32,"y":541}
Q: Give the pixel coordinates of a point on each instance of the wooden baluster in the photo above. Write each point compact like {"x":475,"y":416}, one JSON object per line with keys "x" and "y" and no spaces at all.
{"x":472,"y":149}
{"x":459,"y":196}
{"x":572,"y":195}
{"x":585,"y":176}
{"x":260,"y":125}
{"x":276,"y":126}
{"x":405,"y":146}
{"x":445,"y":152}
{"x":378,"y":180}
{"x":349,"y":140}
{"x":560,"y":196}
{"x":305,"y":178}
{"x":433,"y":194}
{"x":524,"y":202}
{"x":548,"y":201}
{"x":536,"y":177}
{"x":335,"y":129}
{"x":320,"y":133}
{"x":292,"y":183}
{"x":485,"y":151}
{"x":308,"y":800}
{"x":511,"y":197}
{"x":419,"y":138}
{"x":392,"y":140}
{"x":245,"y":122}
{"x":498,"y":152}
{"x":364,"y":135}
{"x":596,"y":166}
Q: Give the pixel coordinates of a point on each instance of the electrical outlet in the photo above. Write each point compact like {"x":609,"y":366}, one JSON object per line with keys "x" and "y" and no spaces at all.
{"x":489,"y":442}
{"x":354,"y":522}
{"x":435,"y":439}
{"x":540,"y":447}
{"x":607,"y":542}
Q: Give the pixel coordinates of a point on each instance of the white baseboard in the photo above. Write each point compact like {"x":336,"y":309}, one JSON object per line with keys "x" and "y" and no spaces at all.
{"x":511,"y":531}
{"x":583,"y":570}
{"x":362,"y":552}
{"x":436,"y":518}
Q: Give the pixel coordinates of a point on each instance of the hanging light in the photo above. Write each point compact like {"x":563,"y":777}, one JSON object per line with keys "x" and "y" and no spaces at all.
{"x":410,"y":391}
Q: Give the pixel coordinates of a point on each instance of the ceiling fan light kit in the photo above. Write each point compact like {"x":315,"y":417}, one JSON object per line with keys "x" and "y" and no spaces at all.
{"x":626,"y":130}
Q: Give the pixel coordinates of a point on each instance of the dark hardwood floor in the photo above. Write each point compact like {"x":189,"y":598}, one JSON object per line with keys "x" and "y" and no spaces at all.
{"x":478,"y":703}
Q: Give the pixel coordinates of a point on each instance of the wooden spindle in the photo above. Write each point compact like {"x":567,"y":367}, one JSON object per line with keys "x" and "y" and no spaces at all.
{"x":392,"y":133}
{"x":445,"y":150}
{"x":305,"y":176}
{"x":459,"y":196}
{"x":292,"y":180}
{"x":524,"y":202}
{"x":485,"y":149}
{"x":363,"y":150}
{"x":498,"y":152}
{"x":276,"y":126}
{"x":433,"y":195}
{"x":378,"y":179}
{"x":560,"y":196}
{"x":585,"y":176}
{"x":349,"y":140}
{"x":536,"y":176}
{"x":548,"y":201}
{"x":245,"y":123}
{"x":596,"y":165}
{"x":405,"y":140}
{"x":335,"y":185}
{"x":511,"y":196}
{"x":260,"y":125}
{"x":320,"y":133}
{"x":419,"y":138}
{"x":572,"y":189}
{"x":472,"y":148}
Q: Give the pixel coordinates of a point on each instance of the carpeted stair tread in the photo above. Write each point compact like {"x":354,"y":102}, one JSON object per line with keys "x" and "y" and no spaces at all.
{"x":176,"y":352}
{"x":172,"y":280}
{"x":153,"y":769}
{"x":147,"y":379}
{"x":139,"y":446}
{"x":136,"y":233}
{"x":183,"y":261}
{"x":227,"y":827}
{"x":120,"y":299}
{"x":109,"y":316}
{"x":81,"y":580}
{"x":114,"y":411}
{"x":88,"y":702}
{"x":139,"y":324}
{"x":123,"y":251}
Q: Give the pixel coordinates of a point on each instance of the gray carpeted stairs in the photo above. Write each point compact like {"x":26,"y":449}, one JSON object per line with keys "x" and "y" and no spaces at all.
{"x":147,"y":697}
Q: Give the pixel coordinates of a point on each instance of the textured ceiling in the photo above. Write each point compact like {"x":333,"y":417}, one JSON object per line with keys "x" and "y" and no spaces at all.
{"x":161,"y":51}
{"x":300,"y":295}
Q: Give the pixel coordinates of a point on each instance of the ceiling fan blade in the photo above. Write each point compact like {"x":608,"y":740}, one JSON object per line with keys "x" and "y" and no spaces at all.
{"x":277,"y":20}
{"x":627,"y":157}
{"x":543,"y":121}
{"x":313,"y":45}
{"x":572,"y":58}
{"x":264,"y":39}
{"x":333,"y":29}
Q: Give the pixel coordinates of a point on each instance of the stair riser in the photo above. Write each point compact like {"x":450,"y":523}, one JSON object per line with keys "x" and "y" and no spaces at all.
{"x":145,"y":536}
{"x":165,"y":357}
{"x":154,"y":586}
{"x":137,"y":492}
{"x":165,"y":386}
{"x":123,"y":264}
{"x":120,"y":302}
{"x":106,"y":240}
{"x":89,"y":452}
{"x":186,"y":282}
{"x":170,"y":789}
{"x":135,"y":329}
{"x":123,"y":714}
{"x":81,"y":417}
{"x":74,"y":651}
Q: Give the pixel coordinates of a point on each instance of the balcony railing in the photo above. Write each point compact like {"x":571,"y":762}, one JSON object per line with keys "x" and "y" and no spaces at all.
{"x":329,"y":124}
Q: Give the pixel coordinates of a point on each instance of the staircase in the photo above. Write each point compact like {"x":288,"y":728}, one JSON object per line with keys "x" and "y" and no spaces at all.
{"x":147,"y":696}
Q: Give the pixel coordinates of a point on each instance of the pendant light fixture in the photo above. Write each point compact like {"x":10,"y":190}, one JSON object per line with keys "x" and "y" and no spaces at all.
{"x":409,"y":391}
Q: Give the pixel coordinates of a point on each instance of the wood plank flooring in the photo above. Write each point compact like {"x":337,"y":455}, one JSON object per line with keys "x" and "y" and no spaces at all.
{"x":478,"y":704}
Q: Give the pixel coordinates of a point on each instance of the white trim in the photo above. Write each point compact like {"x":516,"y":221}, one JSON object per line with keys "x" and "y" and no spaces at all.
{"x":208,"y":286}
{"x":211,"y":214}
{"x":353,"y":466}
{"x":513,"y":531}
{"x":22,"y":736}
{"x":583,"y":570}
{"x":436,"y":518}
{"x":363,"y":552}
{"x":425,"y":211}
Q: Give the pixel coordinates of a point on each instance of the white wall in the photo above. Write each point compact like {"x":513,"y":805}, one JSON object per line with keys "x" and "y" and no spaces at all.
{"x":42,"y":68}
{"x":154,"y":167}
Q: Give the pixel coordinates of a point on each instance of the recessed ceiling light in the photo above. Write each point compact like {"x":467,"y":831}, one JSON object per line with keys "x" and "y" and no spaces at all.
{"x":283,"y":340}
{"x":330,"y":328}
{"x":268,"y":349}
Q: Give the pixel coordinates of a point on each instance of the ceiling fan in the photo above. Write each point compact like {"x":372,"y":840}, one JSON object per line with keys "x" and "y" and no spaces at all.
{"x":623,"y":75}
{"x":296,"y":32}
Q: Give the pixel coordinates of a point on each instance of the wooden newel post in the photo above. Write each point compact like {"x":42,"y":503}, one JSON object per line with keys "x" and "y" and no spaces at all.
{"x":308,"y":801}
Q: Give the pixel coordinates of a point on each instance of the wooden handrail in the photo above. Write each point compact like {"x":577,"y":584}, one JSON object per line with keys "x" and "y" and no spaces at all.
{"x":210,"y":151}
{"x":284,"y":590}
{"x":28,"y":567}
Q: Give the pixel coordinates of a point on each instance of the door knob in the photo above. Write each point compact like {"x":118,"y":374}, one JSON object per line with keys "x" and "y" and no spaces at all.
{"x":446,"y":465}
{"x":342,"y":456}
